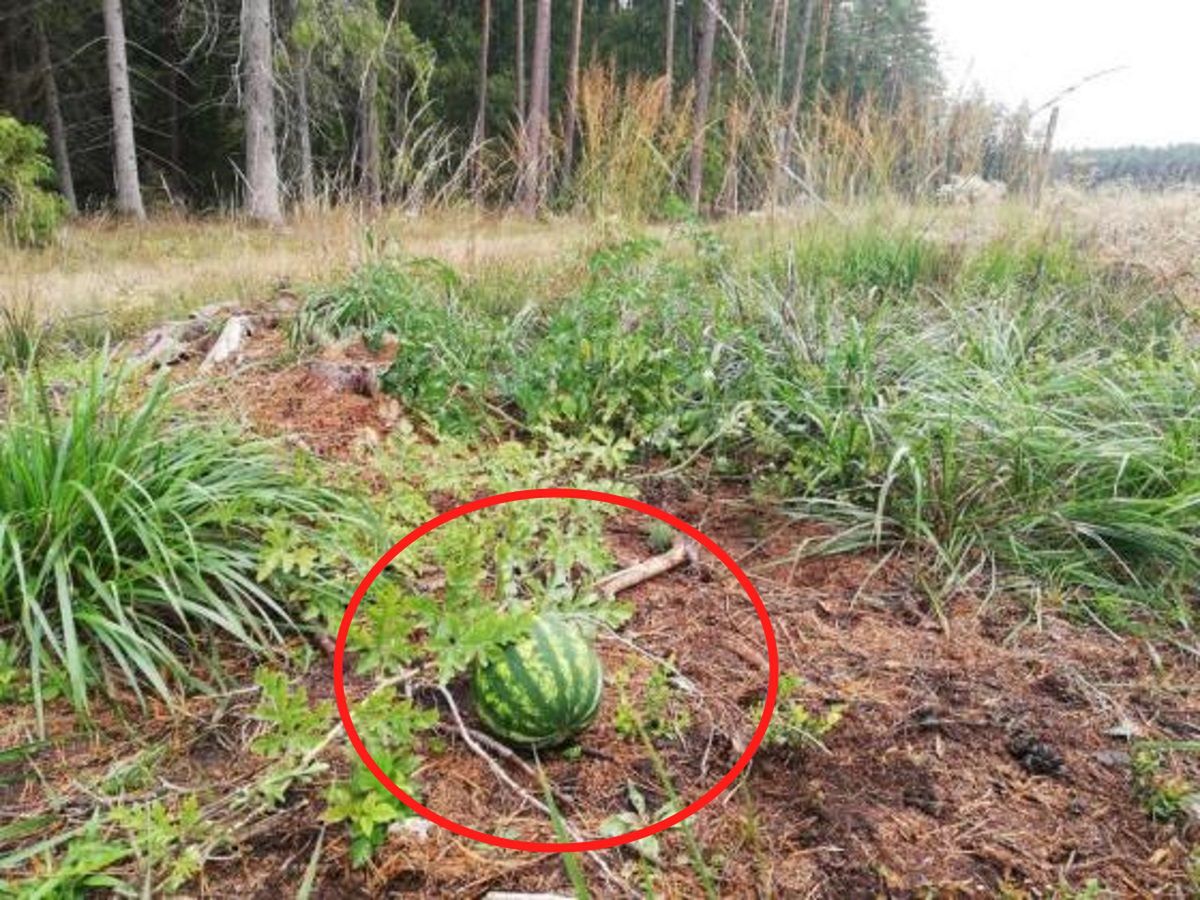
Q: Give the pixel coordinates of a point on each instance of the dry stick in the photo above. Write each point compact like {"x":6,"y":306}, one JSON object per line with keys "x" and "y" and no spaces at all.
{"x":506,"y":752}
{"x":507,"y":780}
{"x":611,"y":585}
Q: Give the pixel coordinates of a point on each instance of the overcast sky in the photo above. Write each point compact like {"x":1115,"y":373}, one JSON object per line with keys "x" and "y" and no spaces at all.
{"x":1032,"y":49}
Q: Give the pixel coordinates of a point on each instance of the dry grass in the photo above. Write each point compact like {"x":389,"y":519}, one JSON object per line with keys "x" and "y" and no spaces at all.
{"x":137,"y":272}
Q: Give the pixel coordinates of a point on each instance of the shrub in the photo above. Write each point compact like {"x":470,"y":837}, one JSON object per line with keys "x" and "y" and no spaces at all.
{"x":126,"y":535}
{"x":30,"y":215}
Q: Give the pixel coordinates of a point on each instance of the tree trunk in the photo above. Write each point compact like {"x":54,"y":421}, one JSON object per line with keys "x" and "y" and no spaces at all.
{"x":58,"y":130}
{"x":669,"y":52}
{"x":370,"y":157}
{"x":704,"y":71}
{"x":781,"y":50}
{"x":262,"y":167}
{"x":793,"y":115}
{"x":308,"y":181}
{"x":531,"y":191}
{"x":129,"y":192}
{"x":521,"y":107}
{"x":735,"y":121}
{"x":572,"y":118}
{"x":480,"y":135}
{"x":826,"y":19}
{"x":172,"y":50}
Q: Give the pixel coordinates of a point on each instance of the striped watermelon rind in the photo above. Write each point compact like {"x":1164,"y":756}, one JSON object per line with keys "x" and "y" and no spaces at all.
{"x":541,"y":691}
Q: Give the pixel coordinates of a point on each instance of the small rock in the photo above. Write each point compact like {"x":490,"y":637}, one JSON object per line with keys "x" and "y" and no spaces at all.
{"x":417,"y":828}
{"x":1190,"y":807}
{"x":229,"y":344}
{"x":1114,"y":759}
{"x":389,"y":411}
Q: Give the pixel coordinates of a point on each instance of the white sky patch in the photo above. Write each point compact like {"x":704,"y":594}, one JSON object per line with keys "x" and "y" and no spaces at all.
{"x":1032,"y":49}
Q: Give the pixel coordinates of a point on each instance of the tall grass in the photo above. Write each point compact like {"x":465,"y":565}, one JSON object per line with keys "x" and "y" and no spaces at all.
{"x":1006,"y":408}
{"x":21,"y":334}
{"x":633,"y":147}
{"x":128,"y":537}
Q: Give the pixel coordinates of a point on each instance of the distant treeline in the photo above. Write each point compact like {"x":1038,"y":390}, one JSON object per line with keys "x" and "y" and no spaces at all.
{"x":633,"y":107}
{"x":1152,"y":167}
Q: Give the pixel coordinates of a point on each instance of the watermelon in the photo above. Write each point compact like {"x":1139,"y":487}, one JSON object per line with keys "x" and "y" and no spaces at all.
{"x":541,"y":691}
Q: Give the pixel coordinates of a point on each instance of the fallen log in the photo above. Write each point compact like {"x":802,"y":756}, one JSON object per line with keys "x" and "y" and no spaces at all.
{"x":168,"y":344}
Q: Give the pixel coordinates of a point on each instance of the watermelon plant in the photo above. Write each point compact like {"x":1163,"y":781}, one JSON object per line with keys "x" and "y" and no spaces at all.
{"x":543,"y":690}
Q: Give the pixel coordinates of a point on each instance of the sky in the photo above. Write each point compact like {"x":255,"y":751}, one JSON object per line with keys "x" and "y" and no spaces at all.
{"x":1033,"y":49}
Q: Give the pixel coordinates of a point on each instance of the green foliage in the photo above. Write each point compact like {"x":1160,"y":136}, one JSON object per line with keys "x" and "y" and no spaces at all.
{"x":29,"y":214}
{"x":793,"y":725}
{"x":379,"y":299}
{"x":660,"y":537}
{"x":389,"y":726}
{"x":1146,"y":167}
{"x":21,"y":335}
{"x":1162,"y":792}
{"x":79,"y":871}
{"x":296,"y":727}
{"x":165,"y":841}
{"x":1008,"y":404}
{"x":655,"y":711}
{"x":127,"y":535}
{"x":639,"y":816}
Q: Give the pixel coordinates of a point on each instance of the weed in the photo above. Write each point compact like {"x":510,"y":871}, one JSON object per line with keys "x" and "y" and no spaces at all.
{"x":656,"y":711}
{"x":638,"y":816}
{"x":81,"y":869}
{"x":389,"y":726}
{"x":21,"y":336}
{"x":165,"y":842}
{"x":660,"y":537}
{"x":910,"y":393}
{"x":378,"y":300}
{"x":126,"y":534}
{"x":1162,"y":794}
{"x":793,"y":725}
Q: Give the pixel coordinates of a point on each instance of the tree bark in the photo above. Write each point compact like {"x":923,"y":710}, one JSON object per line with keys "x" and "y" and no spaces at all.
{"x":793,"y":115}
{"x":704,"y":71}
{"x":370,"y":156}
{"x":735,"y":122}
{"x":262,"y":166}
{"x":172,"y":50}
{"x":572,"y":117}
{"x":303,"y":65}
{"x":533,"y":169}
{"x":54,"y":119}
{"x":308,"y":180}
{"x":781,"y":50}
{"x":129,"y":192}
{"x":480,"y":134}
{"x":669,"y":52}
{"x":826,"y":19}
{"x":521,"y":105}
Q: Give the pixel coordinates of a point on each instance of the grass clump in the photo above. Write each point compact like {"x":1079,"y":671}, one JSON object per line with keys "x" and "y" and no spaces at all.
{"x":126,"y":535}
{"x":21,"y":335}
{"x":1005,"y":406}
{"x":378,"y":300}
